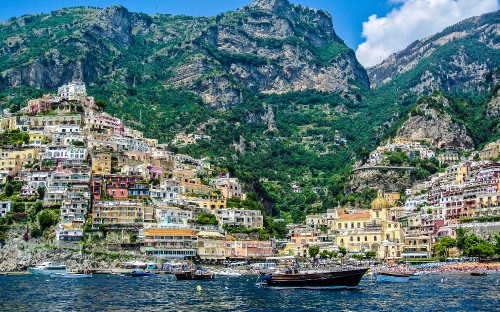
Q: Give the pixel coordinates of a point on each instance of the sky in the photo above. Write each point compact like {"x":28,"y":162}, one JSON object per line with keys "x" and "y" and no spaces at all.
{"x":375,"y":29}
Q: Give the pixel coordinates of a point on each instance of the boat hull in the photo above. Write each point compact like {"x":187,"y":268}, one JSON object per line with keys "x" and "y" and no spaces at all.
{"x":47,"y":271}
{"x":392,"y":278}
{"x":71,"y":275}
{"x":182,"y":276}
{"x":141,"y":273}
{"x":331,"y":279}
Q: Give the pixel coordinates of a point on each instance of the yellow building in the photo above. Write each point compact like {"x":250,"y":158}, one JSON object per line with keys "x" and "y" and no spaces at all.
{"x":213,"y":246}
{"x":12,"y":160}
{"x":391,"y":198}
{"x":8,"y":123}
{"x":208,"y":203}
{"x":129,"y":212}
{"x":374,"y":230}
{"x":170,"y":243}
{"x":417,"y":247}
{"x":101,"y":162}
{"x":37,"y":137}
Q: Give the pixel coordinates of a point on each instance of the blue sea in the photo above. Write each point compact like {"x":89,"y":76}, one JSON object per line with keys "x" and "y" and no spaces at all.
{"x":442,"y":292}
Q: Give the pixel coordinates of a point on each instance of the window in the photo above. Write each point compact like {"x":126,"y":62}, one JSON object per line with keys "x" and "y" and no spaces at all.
{"x":375,"y":238}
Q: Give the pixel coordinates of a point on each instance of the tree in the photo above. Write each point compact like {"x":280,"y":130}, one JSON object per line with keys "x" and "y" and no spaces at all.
{"x":324,"y":254}
{"x":41,"y":192}
{"x":207,"y":218}
{"x":470,"y":241}
{"x":439,"y":250}
{"x":461,"y":234}
{"x":343,"y":252}
{"x":359,"y":257}
{"x":333,"y":254}
{"x":313,"y":251}
{"x":101,"y":104}
{"x":35,"y":232}
{"x":496,"y":237}
{"x":448,"y":243}
{"x":370,"y":254}
{"x":47,"y":218}
{"x":9,"y":189}
{"x":482,"y":249}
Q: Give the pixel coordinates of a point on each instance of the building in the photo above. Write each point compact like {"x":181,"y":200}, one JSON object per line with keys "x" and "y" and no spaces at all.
{"x":251,"y":249}
{"x":229,"y":187}
{"x":4,"y":208}
{"x":212,"y":246}
{"x":376,"y":230}
{"x":241,"y":217}
{"x":170,"y":243}
{"x":130,"y":213}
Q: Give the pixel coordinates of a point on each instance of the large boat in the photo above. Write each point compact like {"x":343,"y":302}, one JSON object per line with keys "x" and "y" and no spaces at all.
{"x":194,"y":275}
{"x":392,"y":277}
{"x":293,"y":278}
{"x":47,"y":268}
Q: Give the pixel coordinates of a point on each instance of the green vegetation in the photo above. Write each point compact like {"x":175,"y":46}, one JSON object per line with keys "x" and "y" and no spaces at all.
{"x":313,"y":251}
{"x":315,"y":136}
{"x":207,"y":219}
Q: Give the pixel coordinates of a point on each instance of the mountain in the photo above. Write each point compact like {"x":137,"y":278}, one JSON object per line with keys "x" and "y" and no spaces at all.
{"x":430,"y":121}
{"x":460,"y":57}
{"x":266,"y":47}
{"x":286,"y":105}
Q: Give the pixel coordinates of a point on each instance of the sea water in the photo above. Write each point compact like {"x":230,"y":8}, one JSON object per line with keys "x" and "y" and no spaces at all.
{"x":440,"y":292}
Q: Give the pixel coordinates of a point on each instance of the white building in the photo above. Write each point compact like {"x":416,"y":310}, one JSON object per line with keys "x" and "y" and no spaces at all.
{"x":247,"y":218}
{"x":4,"y":208}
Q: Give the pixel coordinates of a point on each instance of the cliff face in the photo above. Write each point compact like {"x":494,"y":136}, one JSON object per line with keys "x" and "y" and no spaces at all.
{"x":429,"y":121}
{"x":267,"y":46}
{"x":460,"y":57}
{"x":391,"y":180}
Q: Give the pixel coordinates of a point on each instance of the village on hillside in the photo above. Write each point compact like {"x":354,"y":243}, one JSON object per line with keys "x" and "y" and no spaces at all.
{"x":81,"y":175}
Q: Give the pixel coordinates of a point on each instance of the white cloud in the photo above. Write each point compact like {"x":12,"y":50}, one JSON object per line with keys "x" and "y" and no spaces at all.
{"x":413,"y":20}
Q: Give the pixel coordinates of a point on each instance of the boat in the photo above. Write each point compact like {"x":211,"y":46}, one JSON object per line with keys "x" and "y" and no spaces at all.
{"x":294,"y":278}
{"x":198,"y":274}
{"x":228,"y":273}
{"x":47,"y":268}
{"x":392,"y":277}
{"x":87,"y":274}
{"x":139,"y":273}
{"x":478,"y":273}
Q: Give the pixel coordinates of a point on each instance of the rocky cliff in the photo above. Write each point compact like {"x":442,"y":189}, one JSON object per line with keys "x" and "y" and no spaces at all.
{"x":429,"y":121}
{"x":460,"y":57}
{"x":265,"y":47}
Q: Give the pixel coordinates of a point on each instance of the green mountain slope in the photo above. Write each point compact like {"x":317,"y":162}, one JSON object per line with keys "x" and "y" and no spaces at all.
{"x":285,"y":102}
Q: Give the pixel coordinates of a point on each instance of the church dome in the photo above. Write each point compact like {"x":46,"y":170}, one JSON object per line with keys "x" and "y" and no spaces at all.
{"x":379,"y":203}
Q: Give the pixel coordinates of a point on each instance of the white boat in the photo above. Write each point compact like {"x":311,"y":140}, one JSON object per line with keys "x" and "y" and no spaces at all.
{"x":71,"y":275}
{"x":47,"y":268}
{"x":228,"y":273}
{"x":385,"y":277}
